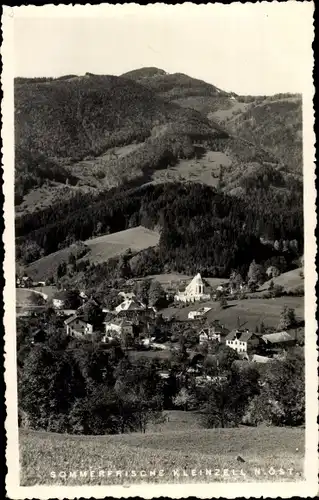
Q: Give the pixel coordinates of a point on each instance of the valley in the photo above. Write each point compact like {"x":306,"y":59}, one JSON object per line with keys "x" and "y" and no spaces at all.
{"x":159,"y":279}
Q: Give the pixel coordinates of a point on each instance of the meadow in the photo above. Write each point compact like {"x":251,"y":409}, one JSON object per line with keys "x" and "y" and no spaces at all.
{"x":289,"y":281}
{"x":268,"y":453}
{"x":251,"y":312}
{"x":100,"y":249}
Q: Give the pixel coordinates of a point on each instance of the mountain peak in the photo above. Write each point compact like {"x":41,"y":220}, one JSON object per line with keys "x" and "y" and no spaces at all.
{"x":146,"y":72}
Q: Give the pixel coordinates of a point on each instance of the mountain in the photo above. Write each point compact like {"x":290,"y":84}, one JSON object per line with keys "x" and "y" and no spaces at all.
{"x":182,"y":89}
{"x":76,"y":117}
{"x":89,"y":134}
{"x":67,"y":121}
{"x":273,"y":123}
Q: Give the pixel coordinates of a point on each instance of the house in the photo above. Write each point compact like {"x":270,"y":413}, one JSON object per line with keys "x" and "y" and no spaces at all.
{"x":199,"y":313}
{"x":24,"y":282}
{"x":195,"y":291}
{"x":60,"y":299}
{"x":127,"y":295}
{"x":76,"y":326}
{"x":260,"y":359}
{"x":119,"y":326}
{"x":240,"y":340}
{"x":212,"y":333}
{"x":278,"y":340}
{"x":130,"y":305}
{"x":209,"y":335}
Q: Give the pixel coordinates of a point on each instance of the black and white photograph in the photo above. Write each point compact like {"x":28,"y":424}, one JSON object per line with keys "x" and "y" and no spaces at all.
{"x":159,"y":212}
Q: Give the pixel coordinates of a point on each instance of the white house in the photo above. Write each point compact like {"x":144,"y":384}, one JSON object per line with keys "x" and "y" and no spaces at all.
{"x":238,"y":340}
{"x":194,"y":292}
{"x":119,"y":326}
{"x":199,"y":313}
{"x":58,"y":303}
{"x":77,"y":327}
{"x":208,"y":335}
{"x":130,"y":305}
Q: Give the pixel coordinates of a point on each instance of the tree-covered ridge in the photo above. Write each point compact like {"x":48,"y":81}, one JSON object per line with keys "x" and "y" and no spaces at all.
{"x":200,"y":227}
{"x":86,"y":115}
{"x":274,"y":124}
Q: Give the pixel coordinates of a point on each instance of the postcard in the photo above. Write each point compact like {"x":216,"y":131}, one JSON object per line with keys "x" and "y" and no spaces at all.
{"x":159,"y":210}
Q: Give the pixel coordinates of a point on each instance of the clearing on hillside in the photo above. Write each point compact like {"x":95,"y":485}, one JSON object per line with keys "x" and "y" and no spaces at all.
{"x":251,"y":312}
{"x":110,"y":245}
{"x":100,"y":249}
{"x":44,"y":455}
{"x":290,"y":280}
{"x":205,"y":170}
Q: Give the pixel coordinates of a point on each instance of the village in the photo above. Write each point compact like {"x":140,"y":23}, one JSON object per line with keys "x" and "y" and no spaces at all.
{"x":153,"y":329}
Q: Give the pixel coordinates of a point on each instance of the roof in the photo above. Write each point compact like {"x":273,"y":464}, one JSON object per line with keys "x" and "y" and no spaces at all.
{"x":260,"y":359}
{"x":70,"y":319}
{"x":197,"y":280}
{"x":130,"y":305}
{"x":75,"y":317}
{"x":119,"y":321}
{"x":277,"y":337}
{"x":243,"y":336}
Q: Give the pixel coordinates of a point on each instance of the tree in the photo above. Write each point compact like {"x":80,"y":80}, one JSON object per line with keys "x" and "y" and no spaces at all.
{"x":48,"y":384}
{"x":228,"y":397}
{"x":36,"y":299}
{"x":255,"y":273}
{"x":272,"y":272}
{"x":141,"y":290}
{"x":223,"y":303}
{"x":156,"y":294}
{"x":287,"y":318}
{"x":139,"y":386}
{"x":282,"y":395}
{"x":226,"y":356}
{"x":235,"y":280}
{"x":185,"y":399}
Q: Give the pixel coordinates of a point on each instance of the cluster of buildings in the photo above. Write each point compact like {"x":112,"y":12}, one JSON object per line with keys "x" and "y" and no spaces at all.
{"x":125,"y":320}
{"x":132,"y":317}
{"x":245,"y":342}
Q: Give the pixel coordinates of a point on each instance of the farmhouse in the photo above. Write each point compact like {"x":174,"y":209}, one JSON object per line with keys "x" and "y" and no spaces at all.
{"x":278,"y":339}
{"x":240,"y":340}
{"x":199,"y":313}
{"x":76,"y":326}
{"x":130,"y":304}
{"x":119,"y":326}
{"x":209,"y":335}
{"x":195,"y":291}
{"x":260,"y":359}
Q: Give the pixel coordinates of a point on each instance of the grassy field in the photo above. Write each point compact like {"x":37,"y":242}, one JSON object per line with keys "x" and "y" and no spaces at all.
{"x":290,"y":280}
{"x":205,"y":170}
{"x":250,"y":311}
{"x":101,"y":249}
{"x":110,"y":245}
{"x":201,"y":454}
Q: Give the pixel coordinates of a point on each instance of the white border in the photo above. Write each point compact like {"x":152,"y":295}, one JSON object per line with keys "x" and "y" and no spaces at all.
{"x":309,"y":487}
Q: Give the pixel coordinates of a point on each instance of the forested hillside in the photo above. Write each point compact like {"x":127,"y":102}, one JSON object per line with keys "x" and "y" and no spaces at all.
{"x":200,"y":227}
{"x":182,"y":89}
{"x":63,"y":121}
{"x":274,"y":124}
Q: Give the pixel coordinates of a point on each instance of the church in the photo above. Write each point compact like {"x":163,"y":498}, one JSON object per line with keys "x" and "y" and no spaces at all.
{"x":195,"y":291}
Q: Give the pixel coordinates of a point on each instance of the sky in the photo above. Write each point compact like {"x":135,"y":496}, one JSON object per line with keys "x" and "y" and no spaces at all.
{"x":257,"y":49}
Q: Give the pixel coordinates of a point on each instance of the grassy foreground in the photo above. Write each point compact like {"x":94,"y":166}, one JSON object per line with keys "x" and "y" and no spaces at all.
{"x":176,"y":456}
